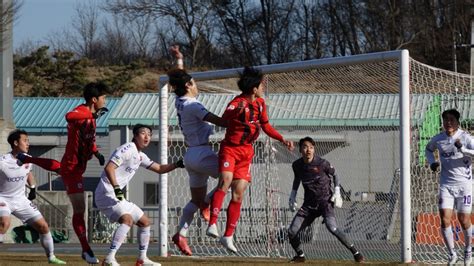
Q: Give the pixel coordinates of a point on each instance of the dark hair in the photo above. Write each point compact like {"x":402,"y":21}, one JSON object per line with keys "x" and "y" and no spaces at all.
{"x":137,"y":127}
{"x":452,"y":112}
{"x":15,"y":135}
{"x":308,"y":139}
{"x":249,"y":79}
{"x":94,"y":89}
{"x":178,"y":78}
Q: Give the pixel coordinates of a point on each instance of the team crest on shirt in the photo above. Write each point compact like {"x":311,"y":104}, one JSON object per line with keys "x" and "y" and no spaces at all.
{"x":314,"y":169}
{"x":247,"y":109}
{"x":226,"y":164}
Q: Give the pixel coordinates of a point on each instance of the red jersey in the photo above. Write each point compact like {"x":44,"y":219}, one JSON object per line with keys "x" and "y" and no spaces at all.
{"x":245,"y":118}
{"x":80,"y":136}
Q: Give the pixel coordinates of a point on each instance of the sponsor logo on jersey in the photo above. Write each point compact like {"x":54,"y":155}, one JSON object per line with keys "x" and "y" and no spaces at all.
{"x":15,"y":179}
{"x":231,"y":107}
{"x":447,"y":154}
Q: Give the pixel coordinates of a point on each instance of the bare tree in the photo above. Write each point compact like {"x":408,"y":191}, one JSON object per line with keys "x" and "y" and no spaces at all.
{"x":8,"y":14}
{"x":86,"y":24}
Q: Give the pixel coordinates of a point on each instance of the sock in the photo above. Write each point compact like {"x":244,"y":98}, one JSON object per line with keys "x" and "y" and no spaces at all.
{"x":353,"y":249}
{"x":48,"y":164}
{"x":80,"y":228}
{"x":119,"y":236}
{"x":300,"y":253}
{"x":2,"y":236}
{"x":209,"y":195}
{"x":467,"y":237}
{"x":143,"y":235}
{"x":448,"y":238}
{"x":216,"y":205}
{"x":187,"y":218}
{"x":233,"y":215}
{"x":48,"y":244}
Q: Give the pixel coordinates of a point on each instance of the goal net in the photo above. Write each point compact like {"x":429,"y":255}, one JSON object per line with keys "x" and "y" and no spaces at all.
{"x":350,"y":106}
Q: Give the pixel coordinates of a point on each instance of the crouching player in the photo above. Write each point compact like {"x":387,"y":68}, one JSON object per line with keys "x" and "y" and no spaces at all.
{"x":315,"y":172}
{"x":13,"y":200}
{"x":110,"y":199}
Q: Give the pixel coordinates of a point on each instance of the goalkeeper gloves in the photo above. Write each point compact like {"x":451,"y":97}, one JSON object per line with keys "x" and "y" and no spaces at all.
{"x":32,"y":194}
{"x":434,"y":166}
{"x":336,"y":197}
{"x":100,"y":112}
{"x":100,"y":157}
{"x":292,"y":201}
{"x":179,"y":164}
{"x":119,"y":193}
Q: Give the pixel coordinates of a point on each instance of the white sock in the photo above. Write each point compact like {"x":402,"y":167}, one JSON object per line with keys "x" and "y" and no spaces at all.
{"x":187,"y":218}
{"x":119,"y":236}
{"x":448,"y":238}
{"x":467,"y":237}
{"x":48,"y":244}
{"x":143,"y":235}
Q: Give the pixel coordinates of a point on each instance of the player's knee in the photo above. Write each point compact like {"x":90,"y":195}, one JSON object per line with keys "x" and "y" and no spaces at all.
{"x":126,"y":219}
{"x":41,"y":226}
{"x":331,"y":225}
{"x":144,"y":221}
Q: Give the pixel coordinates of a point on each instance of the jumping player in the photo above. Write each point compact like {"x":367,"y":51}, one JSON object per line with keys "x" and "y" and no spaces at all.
{"x":12,"y":194}
{"x":315,"y":173}
{"x":246,"y":114}
{"x":81,"y":126}
{"x":110,"y":199}
{"x":200,"y":160}
{"x":455,"y":148}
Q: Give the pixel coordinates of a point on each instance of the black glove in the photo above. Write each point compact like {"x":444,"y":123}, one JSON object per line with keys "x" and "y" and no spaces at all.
{"x":179,"y":164}
{"x":119,"y":193}
{"x":100,"y":157}
{"x":100,"y":112}
{"x":434,"y":166}
{"x":32,"y":194}
{"x":457,"y":144}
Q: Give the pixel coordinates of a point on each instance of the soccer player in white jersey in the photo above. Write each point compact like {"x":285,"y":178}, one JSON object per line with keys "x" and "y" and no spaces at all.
{"x":110,"y":199}
{"x":200,"y":160}
{"x":455,"y":148}
{"x":13,"y":200}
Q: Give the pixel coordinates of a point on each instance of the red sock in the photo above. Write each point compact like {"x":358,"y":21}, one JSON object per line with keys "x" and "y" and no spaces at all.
{"x":233,"y":215}
{"x":80,"y":228}
{"x":216,"y":205}
{"x":48,"y":164}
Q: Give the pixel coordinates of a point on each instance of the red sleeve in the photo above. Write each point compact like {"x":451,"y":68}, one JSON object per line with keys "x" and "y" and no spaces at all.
{"x":94,"y":148}
{"x":232,"y":111}
{"x":78,"y":114}
{"x":267,"y":128}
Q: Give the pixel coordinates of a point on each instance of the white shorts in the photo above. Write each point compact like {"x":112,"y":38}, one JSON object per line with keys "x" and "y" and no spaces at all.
{"x":22,"y":208}
{"x":458,"y":197}
{"x":117,"y":208}
{"x":201,"y":162}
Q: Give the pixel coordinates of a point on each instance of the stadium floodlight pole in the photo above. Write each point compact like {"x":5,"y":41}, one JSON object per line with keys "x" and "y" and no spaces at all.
{"x":163,"y":150}
{"x":405,"y":178}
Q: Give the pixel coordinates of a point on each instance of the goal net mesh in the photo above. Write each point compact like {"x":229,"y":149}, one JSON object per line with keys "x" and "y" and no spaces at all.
{"x":352,"y":112}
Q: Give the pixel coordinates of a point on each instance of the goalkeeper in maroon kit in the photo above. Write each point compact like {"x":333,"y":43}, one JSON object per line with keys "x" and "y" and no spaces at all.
{"x":80,"y":147}
{"x":319,"y":200}
{"x":246,"y":114}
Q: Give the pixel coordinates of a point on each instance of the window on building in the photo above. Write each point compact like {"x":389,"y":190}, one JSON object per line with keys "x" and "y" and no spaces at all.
{"x":152,"y":197}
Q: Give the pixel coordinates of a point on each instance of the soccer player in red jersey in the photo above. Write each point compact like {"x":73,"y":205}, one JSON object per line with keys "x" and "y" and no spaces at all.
{"x":246,"y":114}
{"x":81,"y":126}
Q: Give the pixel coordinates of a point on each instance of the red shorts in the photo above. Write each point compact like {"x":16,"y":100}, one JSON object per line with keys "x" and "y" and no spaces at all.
{"x":236,"y":159}
{"x":72,"y":177}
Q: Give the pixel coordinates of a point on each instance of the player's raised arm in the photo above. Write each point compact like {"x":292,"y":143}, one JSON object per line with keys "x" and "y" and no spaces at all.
{"x":176,"y":53}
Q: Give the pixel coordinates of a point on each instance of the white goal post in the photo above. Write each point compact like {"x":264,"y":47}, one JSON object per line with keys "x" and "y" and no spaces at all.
{"x":368,"y":114}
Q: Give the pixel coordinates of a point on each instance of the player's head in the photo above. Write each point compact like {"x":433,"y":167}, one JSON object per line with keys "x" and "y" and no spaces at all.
{"x":451,"y":120}
{"x":142,"y":135}
{"x":182,"y":82}
{"x":94,"y":93}
{"x":251,"y":82}
{"x":306,"y":145}
{"x":18,"y":140}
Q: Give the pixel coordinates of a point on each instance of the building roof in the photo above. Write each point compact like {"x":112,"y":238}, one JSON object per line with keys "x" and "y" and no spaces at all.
{"x":284,"y":109}
{"x":46,"y":115}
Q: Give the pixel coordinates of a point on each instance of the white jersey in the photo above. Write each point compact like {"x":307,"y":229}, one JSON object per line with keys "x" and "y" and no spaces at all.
{"x":128,"y":159}
{"x":191,"y":113}
{"x":13,"y":177}
{"x":456,"y":167}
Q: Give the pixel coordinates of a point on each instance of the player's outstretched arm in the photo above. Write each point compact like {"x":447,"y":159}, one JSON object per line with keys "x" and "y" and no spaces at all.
{"x":216,"y":120}
{"x":165,"y":168}
{"x":176,"y":53}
